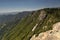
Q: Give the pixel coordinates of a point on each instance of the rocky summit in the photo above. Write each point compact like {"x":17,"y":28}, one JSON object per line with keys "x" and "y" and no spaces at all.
{"x":53,"y":34}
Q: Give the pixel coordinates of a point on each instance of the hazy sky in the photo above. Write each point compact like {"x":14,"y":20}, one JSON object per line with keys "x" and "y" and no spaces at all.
{"x":24,"y":5}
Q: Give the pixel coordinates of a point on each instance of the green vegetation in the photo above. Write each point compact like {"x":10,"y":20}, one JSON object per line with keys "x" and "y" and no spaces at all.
{"x":23,"y":29}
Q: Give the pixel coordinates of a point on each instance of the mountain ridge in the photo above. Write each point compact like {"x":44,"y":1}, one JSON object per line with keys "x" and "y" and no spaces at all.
{"x":35,"y":23}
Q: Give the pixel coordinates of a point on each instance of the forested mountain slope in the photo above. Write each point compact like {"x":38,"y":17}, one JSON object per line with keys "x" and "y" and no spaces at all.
{"x":5,"y":18}
{"x":35,"y":23}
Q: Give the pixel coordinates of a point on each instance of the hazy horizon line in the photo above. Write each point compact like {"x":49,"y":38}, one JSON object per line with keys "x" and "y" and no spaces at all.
{"x":6,"y":12}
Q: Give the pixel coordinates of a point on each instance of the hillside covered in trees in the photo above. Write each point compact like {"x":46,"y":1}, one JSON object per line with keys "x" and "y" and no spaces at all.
{"x":35,"y":22}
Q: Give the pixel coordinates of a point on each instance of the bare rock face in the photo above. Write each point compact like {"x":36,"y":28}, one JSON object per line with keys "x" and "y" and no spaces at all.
{"x":53,"y":34}
{"x":56,"y":26}
{"x":42,"y":15}
{"x":34,"y":27}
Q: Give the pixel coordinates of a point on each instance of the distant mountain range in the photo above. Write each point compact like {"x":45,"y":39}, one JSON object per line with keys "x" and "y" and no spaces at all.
{"x":11,"y":17}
